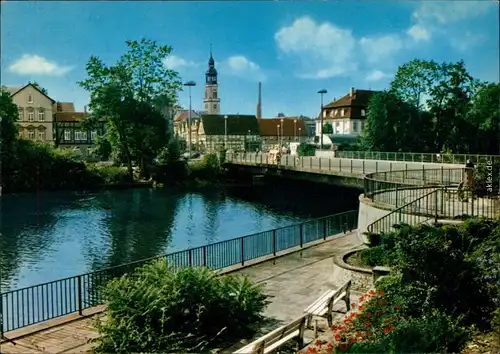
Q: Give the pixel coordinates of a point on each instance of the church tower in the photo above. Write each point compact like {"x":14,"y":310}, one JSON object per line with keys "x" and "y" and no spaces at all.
{"x":212,"y":100}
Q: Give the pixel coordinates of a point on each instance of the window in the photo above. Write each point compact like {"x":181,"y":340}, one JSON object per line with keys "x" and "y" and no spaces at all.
{"x":67,"y":134}
{"x":41,"y":136}
{"x":362,"y":125}
{"x":206,"y":106}
{"x":84,"y":136}
{"x":30,"y":98}
{"x":363,"y":113}
{"x":93,"y":135}
{"x":214,"y":94}
{"x":31,"y":135}
{"x":215,"y":106}
{"x":342,"y":113}
{"x":31,"y":116}
{"x":41,"y":116}
{"x":21,"y":114}
{"x":354,"y":126}
{"x":336,"y":112}
{"x":78,"y":135}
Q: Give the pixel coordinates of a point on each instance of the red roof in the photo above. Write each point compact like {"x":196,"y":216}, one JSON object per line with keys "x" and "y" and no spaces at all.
{"x":269,"y":126}
{"x":360,"y":98}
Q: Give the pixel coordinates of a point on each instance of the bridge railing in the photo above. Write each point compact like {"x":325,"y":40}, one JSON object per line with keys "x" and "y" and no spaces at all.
{"x":438,"y":203}
{"x":453,"y":159}
{"x":397,"y":188}
{"x":34,"y":304}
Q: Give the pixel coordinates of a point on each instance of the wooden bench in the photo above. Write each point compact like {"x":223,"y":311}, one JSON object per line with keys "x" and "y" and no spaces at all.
{"x":273,"y":340}
{"x":323,"y":307}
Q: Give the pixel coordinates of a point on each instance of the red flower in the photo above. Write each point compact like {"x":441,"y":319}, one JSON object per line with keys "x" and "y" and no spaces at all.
{"x":361,"y":308}
{"x":397,"y":307}
{"x":352,"y":340}
{"x":343,"y":347}
{"x":311,"y":350}
{"x":335,"y":327}
{"x":358,"y":334}
{"x":353,"y":305}
{"x":368,"y":315}
{"x":346,"y":321}
{"x":361,"y":298}
{"x":369,"y":334}
{"x":368,"y":324}
{"x":372,"y":292}
{"x":337,"y":337}
{"x":381,"y":292}
{"x":386,"y":330}
{"x":318,"y":343}
{"x":352,"y":314}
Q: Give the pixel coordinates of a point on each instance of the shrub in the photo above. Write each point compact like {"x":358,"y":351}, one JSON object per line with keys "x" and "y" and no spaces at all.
{"x":158,"y":309}
{"x":206,"y":169}
{"x":109,"y":174}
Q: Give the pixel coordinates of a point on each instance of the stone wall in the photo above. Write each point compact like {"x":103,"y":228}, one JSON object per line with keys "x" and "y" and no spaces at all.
{"x":362,"y":278}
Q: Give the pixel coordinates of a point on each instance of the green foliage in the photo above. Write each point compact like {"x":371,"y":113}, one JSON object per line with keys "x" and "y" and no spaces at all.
{"x":206,"y":169}
{"x":44,"y":90}
{"x":450,"y":268}
{"x":109,"y":174}
{"x":305,"y":149}
{"x":157,"y":309}
{"x":327,"y":128}
{"x":170,"y":167}
{"x":457,"y":109}
{"x":131,"y":95}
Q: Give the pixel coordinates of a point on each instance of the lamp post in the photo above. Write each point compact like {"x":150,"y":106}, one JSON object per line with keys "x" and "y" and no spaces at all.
{"x":295,"y":129}
{"x":278,"y":134}
{"x":189,"y":84}
{"x":225,"y":132}
{"x":300,"y":135}
{"x":282,"y":129}
{"x":321,"y":92}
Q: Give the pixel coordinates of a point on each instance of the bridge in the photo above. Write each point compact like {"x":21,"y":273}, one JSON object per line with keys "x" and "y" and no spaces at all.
{"x":343,"y":171}
{"x":394,"y":191}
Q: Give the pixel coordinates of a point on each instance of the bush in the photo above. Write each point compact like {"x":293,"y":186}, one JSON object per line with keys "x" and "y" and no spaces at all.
{"x":206,"y":169}
{"x":157,"y":309}
{"x":109,"y":174}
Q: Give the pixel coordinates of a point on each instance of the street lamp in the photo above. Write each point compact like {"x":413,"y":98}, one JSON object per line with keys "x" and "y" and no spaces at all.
{"x":282,"y":129}
{"x":295,"y":129}
{"x":300,"y":134}
{"x":189,"y":84}
{"x":278,"y":135}
{"x":225,"y":131}
{"x":321,"y":92}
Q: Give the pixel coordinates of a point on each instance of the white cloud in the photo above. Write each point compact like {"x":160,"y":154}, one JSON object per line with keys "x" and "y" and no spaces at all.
{"x":418,"y":33}
{"x":174,"y":62}
{"x":441,"y":18}
{"x":324,"y":50}
{"x":239,"y":65}
{"x":379,"y":48}
{"x":376,"y":75}
{"x":31,"y":64}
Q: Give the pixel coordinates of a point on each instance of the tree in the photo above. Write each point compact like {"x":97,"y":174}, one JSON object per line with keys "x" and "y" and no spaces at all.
{"x":485,"y":116}
{"x":441,"y":94}
{"x":328,"y":128}
{"x":124,"y":94}
{"x":37,"y":85}
{"x":391,"y":122}
{"x":8,"y":134}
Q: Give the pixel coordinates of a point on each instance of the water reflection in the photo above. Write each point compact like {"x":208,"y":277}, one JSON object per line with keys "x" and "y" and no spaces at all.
{"x":59,"y":235}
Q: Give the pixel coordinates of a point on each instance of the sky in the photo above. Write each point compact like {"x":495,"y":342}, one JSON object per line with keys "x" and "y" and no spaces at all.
{"x":293,"y":48}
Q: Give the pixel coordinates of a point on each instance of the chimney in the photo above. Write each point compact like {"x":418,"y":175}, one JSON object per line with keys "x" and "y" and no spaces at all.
{"x":85,"y":109}
{"x":259,"y":102}
{"x":353,"y":90}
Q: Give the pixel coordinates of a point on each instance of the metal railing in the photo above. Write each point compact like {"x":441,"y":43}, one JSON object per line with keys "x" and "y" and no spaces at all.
{"x":397,"y":188}
{"x":418,"y":157}
{"x":321,"y":164}
{"x":438,"y":203}
{"x":34,"y":304}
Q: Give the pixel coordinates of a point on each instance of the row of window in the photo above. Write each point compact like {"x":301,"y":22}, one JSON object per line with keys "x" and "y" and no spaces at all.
{"x":30,"y":114}
{"x":335,"y":113}
{"x":80,"y":135}
{"x":32,"y":135}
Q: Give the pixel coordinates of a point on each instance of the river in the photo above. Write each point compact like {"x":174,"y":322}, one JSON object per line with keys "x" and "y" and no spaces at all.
{"x":55,"y":235}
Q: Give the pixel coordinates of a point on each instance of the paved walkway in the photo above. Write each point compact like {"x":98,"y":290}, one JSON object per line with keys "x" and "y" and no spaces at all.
{"x":293,"y":282}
